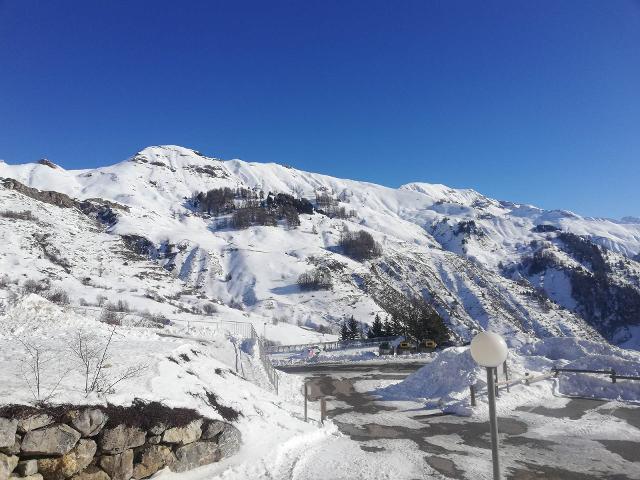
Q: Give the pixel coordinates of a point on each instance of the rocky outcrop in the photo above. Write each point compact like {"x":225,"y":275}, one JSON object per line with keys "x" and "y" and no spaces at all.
{"x":118,"y":467}
{"x":54,"y":440}
{"x":8,"y":429}
{"x":98,"y":208}
{"x":88,"y":422}
{"x":121,"y":438}
{"x":108,"y":443}
{"x":196,"y":455}
{"x":59,"y":468}
{"x":152,"y":459}
{"x":7,"y":465}
{"x":184,"y":435}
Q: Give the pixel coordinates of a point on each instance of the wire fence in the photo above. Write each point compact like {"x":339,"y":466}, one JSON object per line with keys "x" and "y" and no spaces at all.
{"x":327,"y":346}
{"x":241,"y":329}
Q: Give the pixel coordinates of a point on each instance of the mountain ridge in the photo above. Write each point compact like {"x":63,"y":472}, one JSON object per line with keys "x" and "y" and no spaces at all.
{"x":452,"y":246}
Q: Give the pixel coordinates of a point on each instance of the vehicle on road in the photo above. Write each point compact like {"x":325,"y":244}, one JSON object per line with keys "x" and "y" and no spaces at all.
{"x":386,"y":349}
{"x":427,"y":346}
{"x":405,"y":348}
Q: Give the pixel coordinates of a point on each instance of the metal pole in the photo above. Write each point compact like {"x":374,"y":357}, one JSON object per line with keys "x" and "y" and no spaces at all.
{"x":472,"y":389}
{"x":493,"y":422}
{"x":495,"y":377}
{"x":305,"y":401}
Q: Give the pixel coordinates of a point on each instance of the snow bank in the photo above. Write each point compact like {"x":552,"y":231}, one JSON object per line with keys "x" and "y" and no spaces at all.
{"x":444,"y":383}
{"x":441,"y":382}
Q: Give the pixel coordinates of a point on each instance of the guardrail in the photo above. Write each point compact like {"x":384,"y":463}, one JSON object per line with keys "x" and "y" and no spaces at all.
{"x":610,"y":373}
{"x":327,"y":346}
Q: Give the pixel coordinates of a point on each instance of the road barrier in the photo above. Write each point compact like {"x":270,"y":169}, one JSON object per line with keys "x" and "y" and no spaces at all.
{"x":610,"y":373}
{"x":327,"y":346}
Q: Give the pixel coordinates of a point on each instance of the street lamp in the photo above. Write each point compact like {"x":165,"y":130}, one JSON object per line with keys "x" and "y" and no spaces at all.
{"x":489,"y":350}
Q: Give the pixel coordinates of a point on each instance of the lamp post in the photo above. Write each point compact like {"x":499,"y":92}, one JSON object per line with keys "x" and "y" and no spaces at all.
{"x":489,"y":350}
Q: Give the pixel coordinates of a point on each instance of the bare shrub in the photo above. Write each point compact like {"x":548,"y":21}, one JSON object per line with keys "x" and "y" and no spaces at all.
{"x":36,"y":370}
{"x":111,"y":317}
{"x":235,"y":304}
{"x":58,"y":296}
{"x":24,"y":215}
{"x":100,"y":300}
{"x":316,"y":279}
{"x":209,"y":308}
{"x":4,"y":281}
{"x":93,"y":354}
{"x":359,"y":245}
{"x":34,"y":286}
{"x":119,"y":306}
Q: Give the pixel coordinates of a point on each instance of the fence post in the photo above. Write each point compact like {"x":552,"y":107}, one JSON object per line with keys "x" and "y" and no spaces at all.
{"x":472,"y":390}
{"x":305,"y":401}
{"x":506,"y":374}
{"x":613,"y":376}
{"x":526,"y":378}
{"x":323,"y":410}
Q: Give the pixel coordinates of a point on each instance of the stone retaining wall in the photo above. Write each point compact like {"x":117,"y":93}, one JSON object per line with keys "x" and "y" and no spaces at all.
{"x":108,"y":443}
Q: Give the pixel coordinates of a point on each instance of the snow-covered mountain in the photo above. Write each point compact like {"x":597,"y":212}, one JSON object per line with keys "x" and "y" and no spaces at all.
{"x":132,"y":231}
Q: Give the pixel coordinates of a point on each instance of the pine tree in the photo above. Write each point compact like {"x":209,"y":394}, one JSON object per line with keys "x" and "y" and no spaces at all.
{"x":377,"y":329}
{"x":388,"y":330}
{"x":344,"y":331}
{"x":354,"y":328}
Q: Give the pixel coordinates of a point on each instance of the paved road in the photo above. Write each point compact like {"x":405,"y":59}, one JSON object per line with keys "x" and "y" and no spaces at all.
{"x":569,"y":440}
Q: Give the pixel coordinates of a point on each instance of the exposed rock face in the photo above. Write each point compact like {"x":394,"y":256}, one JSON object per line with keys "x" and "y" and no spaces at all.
{"x":118,"y":467}
{"x":88,"y":422}
{"x":121,"y":438}
{"x":34,"y":422}
{"x":7,"y":432}
{"x":59,"y":468}
{"x":54,"y":440}
{"x":183,"y":435}
{"x":7,"y":464}
{"x":195,"y":455}
{"x":152,"y":459}
{"x":139,"y":441}
{"x":211,"y":429}
{"x":35,"y":476}
{"x":27,"y":467}
{"x":229,"y":440}
{"x":91,"y":473}
{"x":13,"y":449}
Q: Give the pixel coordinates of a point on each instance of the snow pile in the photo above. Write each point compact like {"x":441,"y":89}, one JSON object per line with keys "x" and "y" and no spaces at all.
{"x":444,"y":383}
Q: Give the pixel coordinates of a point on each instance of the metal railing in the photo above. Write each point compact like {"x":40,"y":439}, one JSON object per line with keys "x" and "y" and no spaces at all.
{"x":611,"y":373}
{"x":337,"y":345}
{"x":270,"y":370}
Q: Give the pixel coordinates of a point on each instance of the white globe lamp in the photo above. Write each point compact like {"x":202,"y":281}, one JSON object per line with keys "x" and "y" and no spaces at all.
{"x":489,"y":349}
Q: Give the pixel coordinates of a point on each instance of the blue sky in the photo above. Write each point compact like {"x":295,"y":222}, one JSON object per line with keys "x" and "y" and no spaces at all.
{"x":536,"y":102}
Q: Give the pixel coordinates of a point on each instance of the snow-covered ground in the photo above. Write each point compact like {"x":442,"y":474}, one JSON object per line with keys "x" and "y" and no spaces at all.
{"x":180,"y":369}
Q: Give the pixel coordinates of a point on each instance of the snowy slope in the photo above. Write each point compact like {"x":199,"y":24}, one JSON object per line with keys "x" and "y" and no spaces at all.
{"x":462,"y":251}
